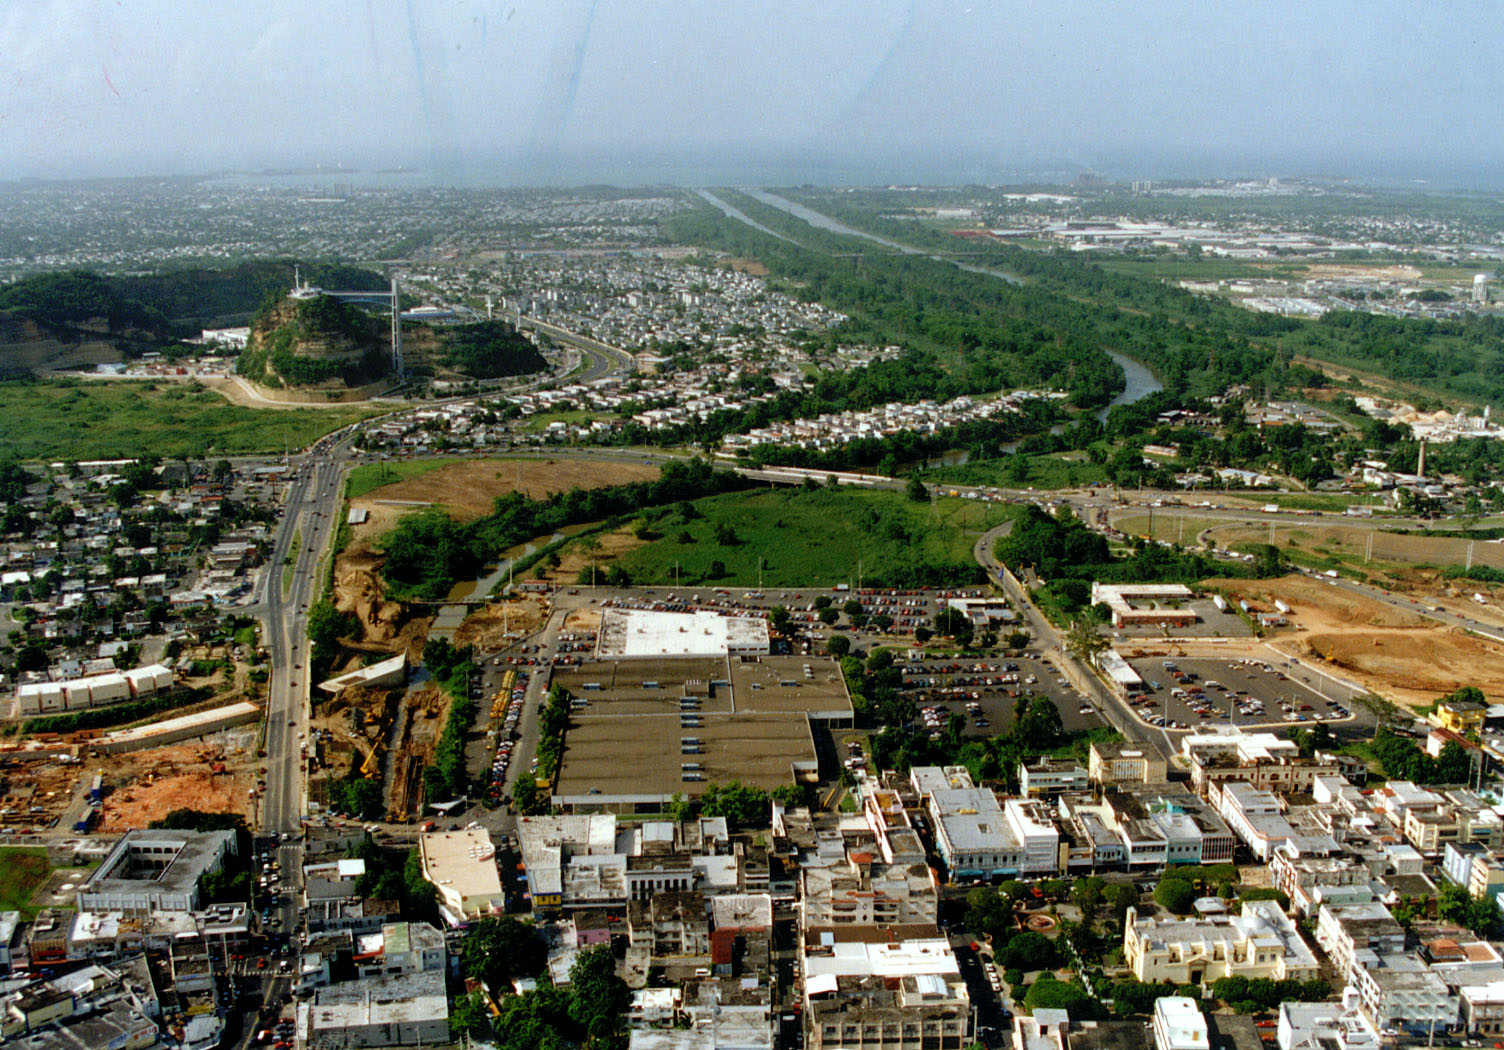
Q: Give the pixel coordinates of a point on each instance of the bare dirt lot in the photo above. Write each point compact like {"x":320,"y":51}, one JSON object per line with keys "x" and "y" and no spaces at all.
{"x":1414,"y":666}
{"x":581,"y":554}
{"x":215,"y":775}
{"x":1320,"y":607}
{"x":489,"y":628}
{"x":1398,"y":654}
{"x":1351,"y":543}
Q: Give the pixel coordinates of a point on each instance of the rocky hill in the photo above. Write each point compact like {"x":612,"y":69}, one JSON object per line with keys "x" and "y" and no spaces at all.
{"x":316,"y":342}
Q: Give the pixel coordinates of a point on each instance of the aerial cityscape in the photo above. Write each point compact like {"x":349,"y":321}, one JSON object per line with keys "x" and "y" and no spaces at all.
{"x":723,"y":527}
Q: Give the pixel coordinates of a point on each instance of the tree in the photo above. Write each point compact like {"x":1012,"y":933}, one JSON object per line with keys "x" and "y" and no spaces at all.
{"x":526,"y":796}
{"x":1049,"y":994}
{"x":1082,"y":640}
{"x":1029,"y":951}
{"x":923,"y":634}
{"x":1120,"y":897}
{"x":468,"y":1016}
{"x":598,"y":998}
{"x":779,"y":619}
{"x":1175,"y":894}
{"x":915,"y":489}
{"x":838,"y":645}
{"x":952,"y":623}
{"x":829,"y":615}
{"x":737,"y":802}
{"x":1040,"y":728}
{"x":496,"y":950}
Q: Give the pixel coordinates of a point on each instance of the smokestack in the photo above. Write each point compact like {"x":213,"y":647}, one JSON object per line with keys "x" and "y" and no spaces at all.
{"x":1420,"y":468}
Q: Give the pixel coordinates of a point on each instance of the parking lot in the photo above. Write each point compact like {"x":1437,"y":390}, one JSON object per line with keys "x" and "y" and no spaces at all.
{"x":986,"y":689}
{"x":1190,"y":692}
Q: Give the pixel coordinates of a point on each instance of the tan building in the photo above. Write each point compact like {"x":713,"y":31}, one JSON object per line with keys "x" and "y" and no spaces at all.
{"x":462,"y":867}
{"x":1116,"y":763}
{"x":1261,"y":942}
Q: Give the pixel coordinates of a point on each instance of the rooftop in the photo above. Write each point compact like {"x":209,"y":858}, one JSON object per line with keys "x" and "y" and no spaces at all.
{"x":463,"y":861}
{"x":646,"y":633}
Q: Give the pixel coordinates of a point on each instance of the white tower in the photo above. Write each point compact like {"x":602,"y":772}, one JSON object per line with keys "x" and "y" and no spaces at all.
{"x":1480,"y":287}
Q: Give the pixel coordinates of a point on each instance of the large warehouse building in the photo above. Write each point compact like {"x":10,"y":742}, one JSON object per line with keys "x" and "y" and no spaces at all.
{"x":629,"y":633}
{"x":646,"y":727}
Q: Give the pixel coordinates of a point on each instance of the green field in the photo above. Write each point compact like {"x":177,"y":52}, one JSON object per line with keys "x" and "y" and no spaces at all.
{"x":816,"y":537}
{"x":371,"y":476}
{"x":22,"y":870}
{"x":69,"y":419}
{"x":1040,"y":472}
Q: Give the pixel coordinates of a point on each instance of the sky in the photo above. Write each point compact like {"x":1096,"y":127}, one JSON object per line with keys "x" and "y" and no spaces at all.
{"x":642,"y":91}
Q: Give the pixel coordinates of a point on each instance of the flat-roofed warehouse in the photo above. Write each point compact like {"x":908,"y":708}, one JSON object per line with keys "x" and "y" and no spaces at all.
{"x":645,"y":633}
{"x":644,"y":730}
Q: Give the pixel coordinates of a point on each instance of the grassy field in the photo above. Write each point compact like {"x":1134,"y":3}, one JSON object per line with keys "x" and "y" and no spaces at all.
{"x":538,"y":423}
{"x":369,"y":477}
{"x":69,"y":419}
{"x":814,"y":538}
{"x":1040,"y":472}
{"x":22,"y":870}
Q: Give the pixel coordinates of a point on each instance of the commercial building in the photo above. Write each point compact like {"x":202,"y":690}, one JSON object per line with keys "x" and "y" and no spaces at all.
{"x":1482,"y":1007}
{"x":1460,"y":716}
{"x":1261,"y":942}
{"x":864,"y":891}
{"x":1046,"y":777}
{"x":462,"y":867}
{"x":404,"y":1010}
{"x":98,"y":1007}
{"x":1311,"y":882}
{"x":155,"y":871}
{"x":1352,"y":934}
{"x":643,"y":731}
{"x":1145,"y":604}
{"x":889,"y":989}
{"x":590,"y":861}
{"x":1114,"y":763}
{"x":1397,"y":991}
{"x":1264,"y":760}
{"x":1324,"y":1026}
{"x":632,"y":633}
{"x":979,"y":837}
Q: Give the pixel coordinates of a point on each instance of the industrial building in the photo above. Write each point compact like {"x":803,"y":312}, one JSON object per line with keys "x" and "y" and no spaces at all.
{"x":79,"y":694}
{"x":172,"y":730}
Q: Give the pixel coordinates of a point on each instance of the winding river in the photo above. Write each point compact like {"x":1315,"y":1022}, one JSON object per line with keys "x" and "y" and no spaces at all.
{"x":1138,"y":380}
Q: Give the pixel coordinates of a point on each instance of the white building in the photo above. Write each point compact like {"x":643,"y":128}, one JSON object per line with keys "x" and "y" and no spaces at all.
{"x":1179,"y":1025}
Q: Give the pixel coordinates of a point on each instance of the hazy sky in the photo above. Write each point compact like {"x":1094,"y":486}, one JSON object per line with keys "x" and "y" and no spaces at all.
{"x":641,"y":90}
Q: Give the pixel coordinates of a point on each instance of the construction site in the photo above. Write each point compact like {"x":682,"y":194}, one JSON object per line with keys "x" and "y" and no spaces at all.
{"x":385,"y":735}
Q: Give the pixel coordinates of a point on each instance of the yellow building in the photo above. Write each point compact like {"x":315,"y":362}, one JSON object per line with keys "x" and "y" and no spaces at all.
{"x":1460,"y":716}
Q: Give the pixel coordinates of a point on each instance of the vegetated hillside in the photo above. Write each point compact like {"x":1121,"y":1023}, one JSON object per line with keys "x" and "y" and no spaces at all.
{"x":45,"y":318}
{"x":484,"y":350}
{"x":193,"y":299}
{"x":42,"y":316}
{"x":316,"y":342}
